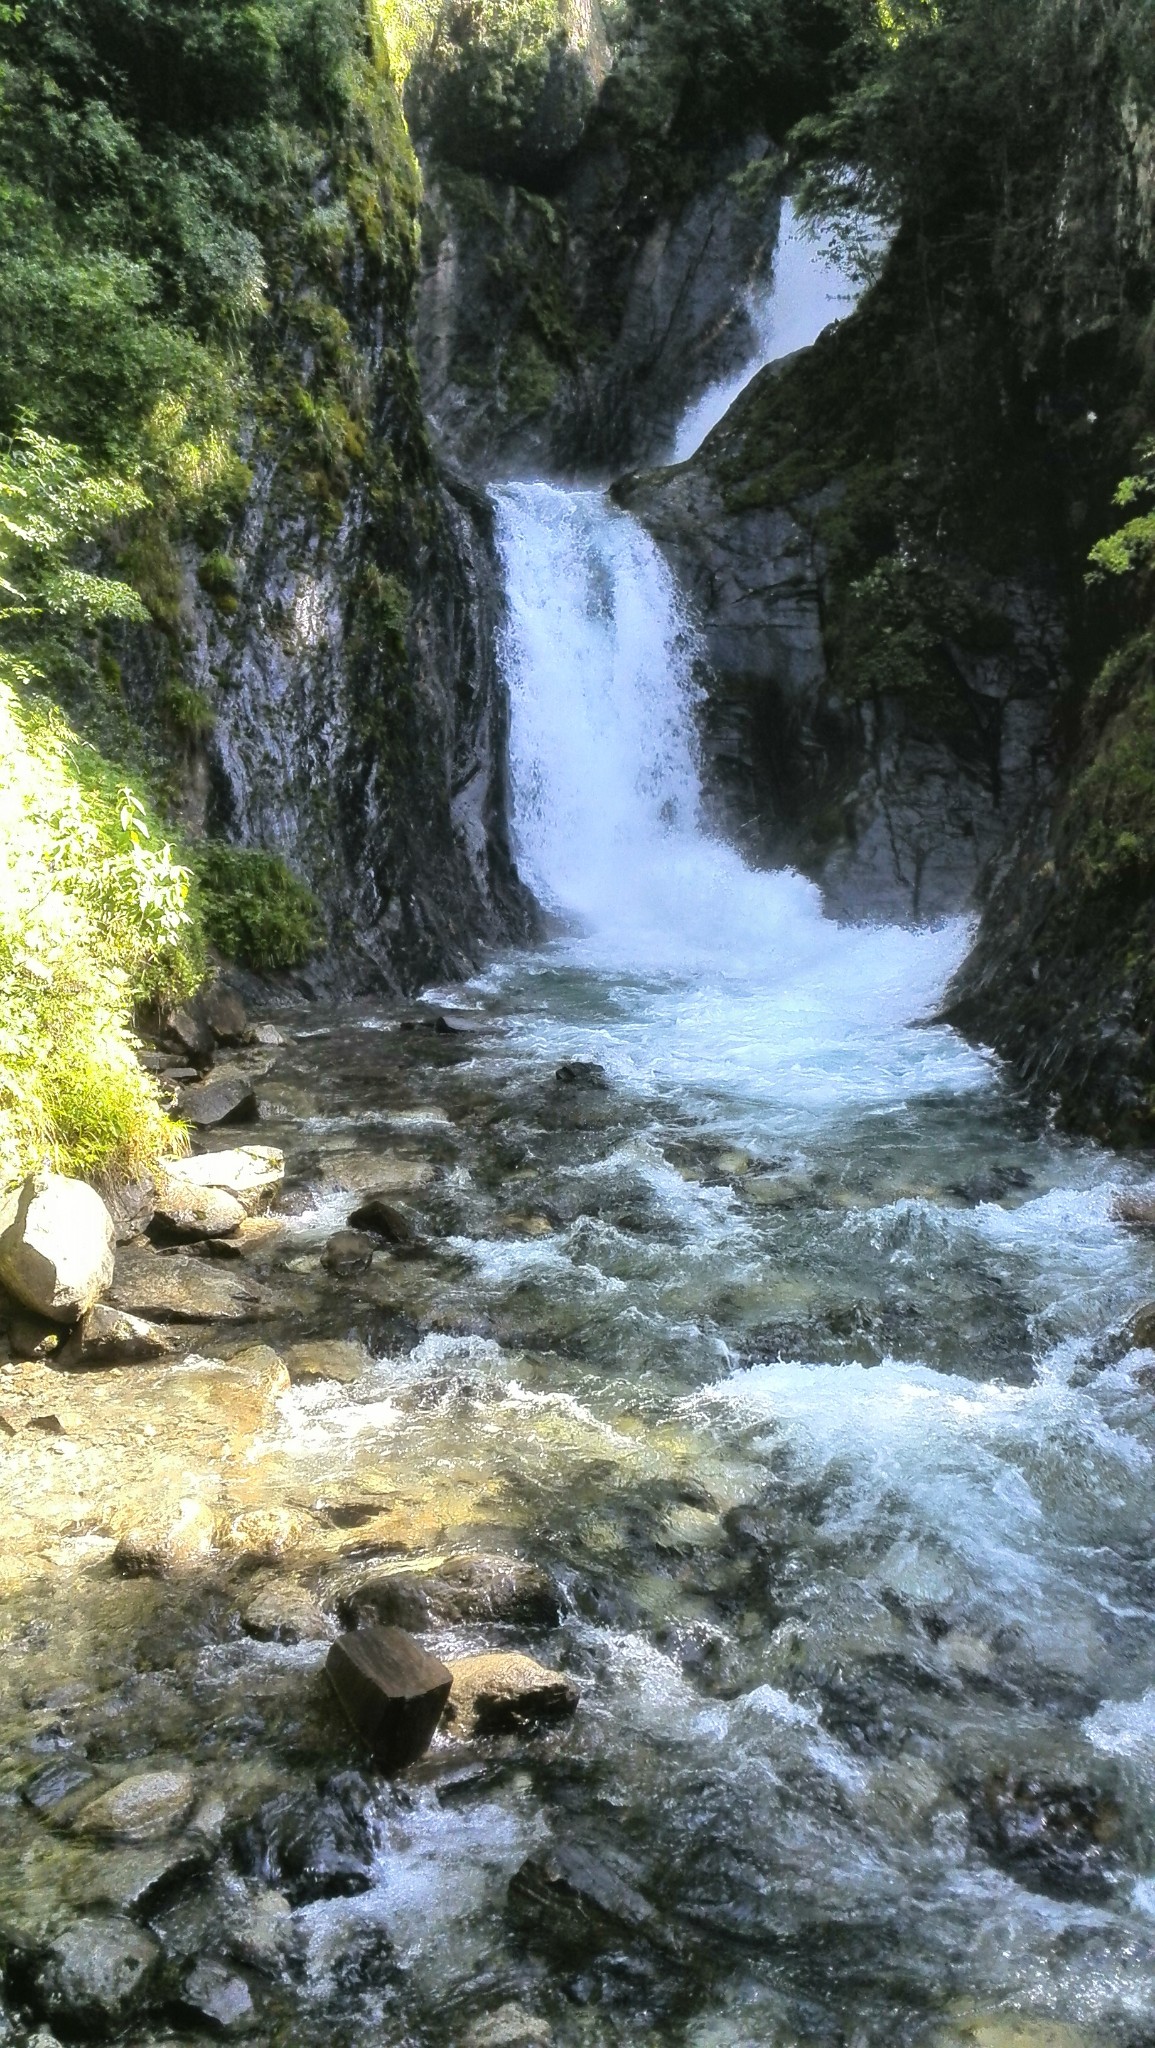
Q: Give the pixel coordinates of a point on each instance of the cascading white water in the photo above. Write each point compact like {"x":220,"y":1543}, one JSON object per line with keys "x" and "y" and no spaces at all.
{"x":809,"y":287}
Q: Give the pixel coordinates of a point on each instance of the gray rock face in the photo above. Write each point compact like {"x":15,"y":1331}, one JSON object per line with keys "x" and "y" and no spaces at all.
{"x":891,"y":817}
{"x":665,"y":292}
{"x":461,"y":1590}
{"x":57,"y":1247}
{"x":179,"y":1289}
{"x":226,"y":1098}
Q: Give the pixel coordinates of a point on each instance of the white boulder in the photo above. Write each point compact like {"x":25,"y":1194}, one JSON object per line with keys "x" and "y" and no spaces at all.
{"x":57,"y":1246}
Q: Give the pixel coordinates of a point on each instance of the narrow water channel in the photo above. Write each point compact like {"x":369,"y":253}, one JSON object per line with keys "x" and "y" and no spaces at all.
{"x":759,"y":1313}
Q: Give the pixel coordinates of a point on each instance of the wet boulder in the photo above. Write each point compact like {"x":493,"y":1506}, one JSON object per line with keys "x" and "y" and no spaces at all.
{"x":511,"y":2026}
{"x":383,"y":1219}
{"x":392,"y":1691}
{"x":285,"y":1612}
{"x":1056,"y":1838}
{"x":143,"y":1808}
{"x":348,"y":1253}
{"x":95,"y":1975}
{"x":459,"y":1591}
{"x":312,"y":1845}
{"x":57,"y":1247}
{"x":502,"y":1692}
{"x":218,"y":1997}
{"x":165,"y":1540}
{"x":571,"y":1900}
{"x":582,"y":1074}
{"x":322,"y":1358}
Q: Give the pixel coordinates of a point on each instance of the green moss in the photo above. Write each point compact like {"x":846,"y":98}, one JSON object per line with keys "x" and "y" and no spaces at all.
{"x":254,"y":910}
{"x":217,"y":576}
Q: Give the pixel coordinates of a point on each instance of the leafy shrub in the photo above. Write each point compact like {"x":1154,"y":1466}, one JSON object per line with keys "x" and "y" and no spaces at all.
{"x":502,"y":86}
{"x":93,"y":906}
{"x":254,"y":910}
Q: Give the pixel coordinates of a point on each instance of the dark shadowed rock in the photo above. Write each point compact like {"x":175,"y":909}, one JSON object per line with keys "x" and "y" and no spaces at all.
{"x":225,"y":1014}
{"x":348,"y":1253}
{"x":384,"y":1220}
{"x":582,"y":1074}
{"x":312,"y":1845}
{"x":179,"y":1289}
{"x":1052,"y":1837}
{"x":228,"y":1098}
{"x":573,"y":1901}
{"x":49,"y":1788}
{"x":95,"y":1975}
{"x":392,"y":1690}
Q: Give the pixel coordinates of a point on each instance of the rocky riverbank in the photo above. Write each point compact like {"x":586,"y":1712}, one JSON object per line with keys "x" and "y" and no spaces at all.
{"x":397,"y":1396}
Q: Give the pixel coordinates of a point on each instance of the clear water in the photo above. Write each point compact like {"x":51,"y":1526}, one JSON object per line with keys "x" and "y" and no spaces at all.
{"x":796,"y":1354}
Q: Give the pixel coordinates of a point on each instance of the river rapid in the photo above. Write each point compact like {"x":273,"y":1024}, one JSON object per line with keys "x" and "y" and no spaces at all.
{"x":760,"y":1312}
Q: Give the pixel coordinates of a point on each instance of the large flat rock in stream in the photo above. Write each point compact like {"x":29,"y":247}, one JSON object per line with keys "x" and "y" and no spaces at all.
{"x":392,"y":1690}
{"x":181,"y":1289}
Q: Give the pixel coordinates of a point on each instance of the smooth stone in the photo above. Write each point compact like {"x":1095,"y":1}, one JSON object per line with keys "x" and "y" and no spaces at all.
{"x":285,"y":1613}
{"x":265,"y":1034}
{"x":509,"y":2027}
{"x":57,"y":1247}
{"x":779,"y":1191}
{"x":348,"y":1253}
{"x":326,"y":1359}
{"x":180,"y":1289}
{"x":185,"y":1212}
{"x":1008,"y":2030}
{"x":503,"y":1691}
{"x":384,"y":1220}
{"x":163,"y":1543}
{"x":1135,"y":1209}
{"x":458,"y":1590}
{"x":249,"y":1174}
{"x":110,"y":1336}
{"x":144,"y":1808}
{"x":96,"y":1973}
{"x":219,"y":1996}
{"x":392,"y":1691}
{"x":228,"y":1098}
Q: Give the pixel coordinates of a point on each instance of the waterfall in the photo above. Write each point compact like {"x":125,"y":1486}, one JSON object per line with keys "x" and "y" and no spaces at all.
{"x":808,"y":288}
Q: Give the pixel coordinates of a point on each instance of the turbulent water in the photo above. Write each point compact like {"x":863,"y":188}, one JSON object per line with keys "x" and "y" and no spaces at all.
{"x":758,"y":1312}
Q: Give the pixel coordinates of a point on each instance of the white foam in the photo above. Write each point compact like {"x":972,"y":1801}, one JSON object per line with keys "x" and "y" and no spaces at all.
{"x":809,"y":286}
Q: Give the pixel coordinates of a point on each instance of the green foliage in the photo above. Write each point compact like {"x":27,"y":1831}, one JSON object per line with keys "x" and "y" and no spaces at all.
{"x":1132,"y":545}
{"x":255,"y":911}
{"x":501,"y":85}
{"x":93,"y":906}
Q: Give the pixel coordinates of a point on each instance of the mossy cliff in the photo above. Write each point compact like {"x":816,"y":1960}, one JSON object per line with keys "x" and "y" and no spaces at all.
{"x":889,"y":538}
{"x":601,"y":185}
{"x":209,"y":220}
